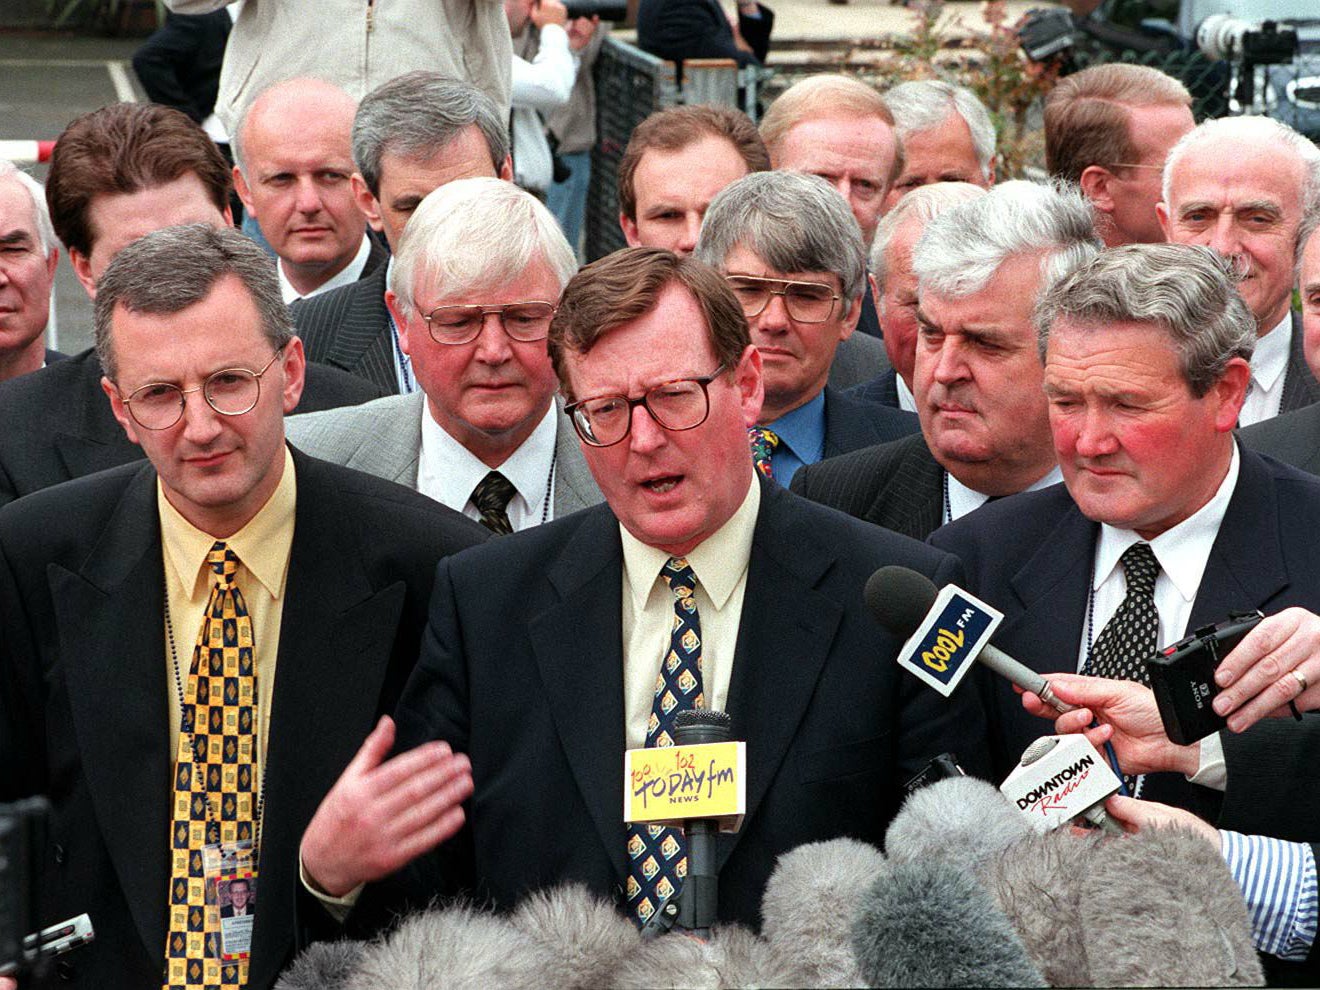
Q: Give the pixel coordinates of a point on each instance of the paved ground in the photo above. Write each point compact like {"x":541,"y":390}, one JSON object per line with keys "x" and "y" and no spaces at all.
{"x":46,"y":80}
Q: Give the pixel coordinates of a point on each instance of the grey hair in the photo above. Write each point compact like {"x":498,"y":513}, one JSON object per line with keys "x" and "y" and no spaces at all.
{"x":962,"y":248}
{"x":924,"y":104}
{"x":922,"y":204}
{"x":1253,"y":132}
{"x":40,"y":212}
{"x":1188,"y":291}
{"x":417,"y":114}
{"x":473,"y":234}
{"x":171,"y":269}
{"x":792,"y":221}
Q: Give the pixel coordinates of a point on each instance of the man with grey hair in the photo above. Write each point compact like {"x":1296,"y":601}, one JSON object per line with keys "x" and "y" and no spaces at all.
{"x":1163,"y":524}
{"x":210,"y":761}
{"x":791,"y":250}
{"x":292,"y":163}
{"x":410,"y":136}
{"x":947,"y":136}
{"x":980,"y":269}
{"x":1241,"y":186}
{"x":894,"y":286}
{"x":478,"y":274}
{"x":29,"y":253}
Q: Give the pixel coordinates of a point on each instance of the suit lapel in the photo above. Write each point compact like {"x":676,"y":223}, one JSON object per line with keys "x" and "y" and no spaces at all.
{"x":113,"y":645}
{"x":391,"y":445}
{"x":911,"y":501}
{"x":1246,"y":565}
{"x":579,"y":641}
{"x":1299,"y":386}
{"x":785,"y":633}
{"x":1053,"y":587}
{"x":363,"y":344}
{"x":94,"y":439}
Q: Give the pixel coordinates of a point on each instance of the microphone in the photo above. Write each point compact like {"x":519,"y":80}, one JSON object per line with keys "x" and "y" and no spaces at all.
{"x":1059,"y":779}
{"x":936,"y":625}
{"x":960,"y":821}
{"x":698,"y":906}
{"x":934,"y":925}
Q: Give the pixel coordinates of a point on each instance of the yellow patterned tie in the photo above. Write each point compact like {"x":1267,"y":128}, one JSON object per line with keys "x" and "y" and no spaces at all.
{"x":215,"y":794}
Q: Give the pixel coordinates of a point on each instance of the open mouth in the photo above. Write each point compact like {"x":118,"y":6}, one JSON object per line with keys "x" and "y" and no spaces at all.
{"x":662,"y":485}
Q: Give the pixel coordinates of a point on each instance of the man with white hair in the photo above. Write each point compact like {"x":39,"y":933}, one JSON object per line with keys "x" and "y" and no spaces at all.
{"x":477,"y":279}
{"x":894,"y":286}
{"x":293,"y":160}
{"x":980,"y":268}
{"x":946,"y":133}
{"x":1241,"y":185}
{"x":28,"y":255}
{"x":790,"y":249}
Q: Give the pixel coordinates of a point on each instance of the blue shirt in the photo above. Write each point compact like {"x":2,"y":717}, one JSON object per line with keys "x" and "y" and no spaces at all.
{"x":801,"y":438}
{"x":1278,"y":882}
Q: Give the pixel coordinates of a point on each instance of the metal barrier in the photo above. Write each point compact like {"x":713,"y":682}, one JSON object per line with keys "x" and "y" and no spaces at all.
{"x":630,"y":86}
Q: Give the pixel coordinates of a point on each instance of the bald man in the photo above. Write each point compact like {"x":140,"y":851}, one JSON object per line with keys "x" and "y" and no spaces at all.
{"x":293,"y":159}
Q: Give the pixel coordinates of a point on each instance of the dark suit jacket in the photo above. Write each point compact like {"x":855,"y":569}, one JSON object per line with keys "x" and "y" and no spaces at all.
{"x":53,"y":356}
{"x":58,"y":424}
{"x":1293,"y":438}
{"x":869,"y":321}
{"x":179,"y":65}
{"x":851,"y":424}
{"x":83,"y":709}
{"x":1299,"y":386}
{"x":882,"y":389}
{"x":349,"y":328}
{"x":897,"y":485}
{"x":833,"y":726}
{"x":680,"y":29}
{"x":1031,"y":556}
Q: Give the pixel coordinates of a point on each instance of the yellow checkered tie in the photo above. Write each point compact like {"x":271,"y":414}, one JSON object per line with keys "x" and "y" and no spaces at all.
{"x":215,"y":791}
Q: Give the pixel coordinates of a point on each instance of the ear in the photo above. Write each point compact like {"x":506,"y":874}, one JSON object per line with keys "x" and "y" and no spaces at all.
{"x":295,"y":370}
{"x":400,"y":321}
{"x":82,"y":267}
{"x":52,"y":261}
{"x":1094,"y":181}
{"x":506,"y":169}
{"x":367,"y":203}
{"x":850,"y":319}
{"x":1231,"y":392}
{"x":244,"y":193}
{"x":228,"y":214}
{"x":990,"y":172}
{"x":629,"y":227}
{"x":1162,"y":214}
{"x":751,"y":386}
{"x":119,"y":409}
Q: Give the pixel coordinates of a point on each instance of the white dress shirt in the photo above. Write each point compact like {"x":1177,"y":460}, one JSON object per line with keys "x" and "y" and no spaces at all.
{"x":347,"y":275}
{"x":447,"y":471}
{"x":963,"y":500}
{"x":906,"y":401}
{"x":720,"y":565}
{"x":1269,"y":367}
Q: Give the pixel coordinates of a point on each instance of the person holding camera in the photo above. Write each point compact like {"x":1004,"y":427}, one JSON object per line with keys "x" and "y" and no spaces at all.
{"x":680,"y":29}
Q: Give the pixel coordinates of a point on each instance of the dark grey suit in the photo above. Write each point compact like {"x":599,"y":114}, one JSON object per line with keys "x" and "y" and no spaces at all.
{"x":883,"y":388}
{"x":897,"y":485}
{"x":349,"y":328}
{"x":851,"y":424}
{"x":1293,"y":438}
{"x":1300,"y":388}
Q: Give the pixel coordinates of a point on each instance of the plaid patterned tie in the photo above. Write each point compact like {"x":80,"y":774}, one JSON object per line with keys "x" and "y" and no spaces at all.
{"x":215,"y":795}
{"x":763,"y":441}
{"x":491,"y":497}
{"x":657,"y":856}
{"x":1132,"y":635}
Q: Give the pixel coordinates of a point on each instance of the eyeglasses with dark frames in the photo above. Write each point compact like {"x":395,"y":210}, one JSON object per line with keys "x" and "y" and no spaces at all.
{"x":525,"y":322}
{"x":806,"y":302}
{"x":230,"y":392}
{"x":678,"y":405}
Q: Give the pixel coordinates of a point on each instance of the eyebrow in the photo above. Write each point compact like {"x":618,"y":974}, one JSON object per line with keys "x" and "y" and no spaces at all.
{"x":16,"y":237}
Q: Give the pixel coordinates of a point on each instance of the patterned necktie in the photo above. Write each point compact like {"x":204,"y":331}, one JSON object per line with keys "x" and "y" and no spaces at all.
{"x":763,"y":441}
{"x":1132,"y":635}
{"x":657,"y":856}
{"x":215,"y":794}
{"x":491,"y":497}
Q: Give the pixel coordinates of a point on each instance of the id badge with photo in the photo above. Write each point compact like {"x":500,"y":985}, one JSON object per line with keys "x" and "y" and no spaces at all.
{"x":231,"y":898}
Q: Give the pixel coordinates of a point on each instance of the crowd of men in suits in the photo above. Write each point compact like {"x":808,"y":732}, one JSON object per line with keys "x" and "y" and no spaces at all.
{"x":495,"y":519}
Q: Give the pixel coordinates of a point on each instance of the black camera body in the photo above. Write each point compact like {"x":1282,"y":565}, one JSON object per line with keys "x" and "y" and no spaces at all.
{"x":1046,"y":32}
{"x":22,"y":836}
{"x":943,"y":767}
{"x":606,"y":10}
{"x":1182,"y":676}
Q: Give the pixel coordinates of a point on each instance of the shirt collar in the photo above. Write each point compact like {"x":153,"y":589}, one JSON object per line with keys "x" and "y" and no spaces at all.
{"x":718,"y":562}
{"x":262,"y":545}
{"x":1181,"y":550}
{"x":906,"y":400}
{"x":1270,"y":358}
{"x":346,"y":275}
{"x":963,"y":500}
{"x":453,"y":470}
{"x":803,"y":429}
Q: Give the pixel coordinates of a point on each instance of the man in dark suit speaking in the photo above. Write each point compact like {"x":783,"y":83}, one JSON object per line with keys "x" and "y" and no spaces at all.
{"x":653,"y":353}
{"x":1163,"y":524}
{"x":145,"y":610}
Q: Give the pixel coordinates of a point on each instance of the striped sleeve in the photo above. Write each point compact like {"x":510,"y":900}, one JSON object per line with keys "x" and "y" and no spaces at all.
{"x":1278,"y":882}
